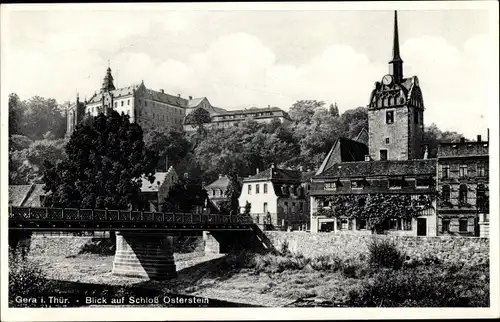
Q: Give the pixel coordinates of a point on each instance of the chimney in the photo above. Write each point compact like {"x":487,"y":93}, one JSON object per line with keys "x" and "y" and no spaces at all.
{"x":462,"y":140}
{"x":488,"y":134}
{"x":162,"y":91}
{"x":257,"y":171}
{"x":479,"y":138}
{"x":367,"y":157}
{"x":190,"y":97}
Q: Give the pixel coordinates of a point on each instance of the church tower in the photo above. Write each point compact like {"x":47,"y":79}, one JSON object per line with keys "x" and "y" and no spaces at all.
{"x":395,"y":112}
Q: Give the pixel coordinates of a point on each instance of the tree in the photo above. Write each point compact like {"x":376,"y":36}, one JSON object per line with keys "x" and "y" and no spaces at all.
{"x":231,"y":205}
{"x":167,"y":144}
{"x":41,"y":116}
{"x":352,"y":121}
{"x":106,"y":159}
{"x":16,"y":113}
{"x":184,"y":196}
{"x":334,"y":110}
{"x":302,"y":111}
{"x":433,"y":135}
{"x":27,"y":165}
{"x":198,"y":117}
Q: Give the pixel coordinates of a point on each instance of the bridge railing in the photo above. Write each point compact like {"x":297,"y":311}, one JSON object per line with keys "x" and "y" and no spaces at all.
{"x":103,"y":215}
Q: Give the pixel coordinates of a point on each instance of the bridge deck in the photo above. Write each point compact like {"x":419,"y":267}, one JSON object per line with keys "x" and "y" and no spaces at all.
{"x":53,"y":219}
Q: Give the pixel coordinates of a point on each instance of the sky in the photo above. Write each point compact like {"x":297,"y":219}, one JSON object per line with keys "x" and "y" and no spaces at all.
{"x":244,"y":58}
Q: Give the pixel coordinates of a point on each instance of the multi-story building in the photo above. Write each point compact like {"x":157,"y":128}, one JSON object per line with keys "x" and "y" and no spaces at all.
{"x":278,"y":198}
{"x":394,"y":165}
{"x":463,"y":188}
{"x":224,"y":119}
{"x":147,"y":107}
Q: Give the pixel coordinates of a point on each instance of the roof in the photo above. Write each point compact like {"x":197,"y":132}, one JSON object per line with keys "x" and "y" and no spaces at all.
{"x":17,"y":194}
{"x":362,"y":136}
{"x":343,"y":150}
{"x":147,"y":186}
{"x":220,"y":183}
{"x":281,"y":175}
{"x":26,"y":195}
{"x":195,"y":102}
{"x":33,"y":199}
{"x":401,"y":93}
{"x":365,"y":169}
{"x":155,"y":95}
{"x":462,"y":149}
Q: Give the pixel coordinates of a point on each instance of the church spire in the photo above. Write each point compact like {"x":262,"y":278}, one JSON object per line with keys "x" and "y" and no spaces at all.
{"x":396,"y":64}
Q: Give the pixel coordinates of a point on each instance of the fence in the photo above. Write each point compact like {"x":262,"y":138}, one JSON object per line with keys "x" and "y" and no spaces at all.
{"x":100,"y":215}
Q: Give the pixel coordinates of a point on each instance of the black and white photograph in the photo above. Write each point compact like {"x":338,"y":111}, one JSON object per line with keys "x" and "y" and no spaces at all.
{"x":194,"y":157}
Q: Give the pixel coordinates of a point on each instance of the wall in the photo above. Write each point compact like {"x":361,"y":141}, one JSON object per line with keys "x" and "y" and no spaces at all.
{"x":257,"y":199}
{"x":471,"y":250}
{"x":397,"y":132}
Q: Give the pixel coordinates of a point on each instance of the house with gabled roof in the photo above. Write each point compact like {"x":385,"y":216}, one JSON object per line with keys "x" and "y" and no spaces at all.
{"x":278,"y":198}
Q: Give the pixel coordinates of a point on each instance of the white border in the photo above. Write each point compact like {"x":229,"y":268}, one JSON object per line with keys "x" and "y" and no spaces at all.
{"x":137,"y":314}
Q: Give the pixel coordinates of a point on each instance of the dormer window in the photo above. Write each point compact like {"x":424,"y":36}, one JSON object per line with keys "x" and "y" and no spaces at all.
{"x":358,"y":184}
{"x":330,"y":186}
{"x":423,"y":183}
{"x":396,"y":183}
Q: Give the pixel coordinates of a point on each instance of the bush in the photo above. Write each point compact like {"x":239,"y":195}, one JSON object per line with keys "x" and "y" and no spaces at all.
{"x":384,"y":254}
{"x":423,"y":287}
{"x":26,"y":280}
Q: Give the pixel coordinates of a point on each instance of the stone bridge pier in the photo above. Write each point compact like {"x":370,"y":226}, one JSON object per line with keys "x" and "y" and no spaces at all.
{"x":140,"y":254}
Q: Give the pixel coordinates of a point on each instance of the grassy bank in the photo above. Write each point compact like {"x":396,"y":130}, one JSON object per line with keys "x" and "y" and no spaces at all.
{"x":383,"y":278}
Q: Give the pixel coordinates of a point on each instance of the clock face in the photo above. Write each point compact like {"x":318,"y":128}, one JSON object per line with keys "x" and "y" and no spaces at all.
{"x":387,"y":80}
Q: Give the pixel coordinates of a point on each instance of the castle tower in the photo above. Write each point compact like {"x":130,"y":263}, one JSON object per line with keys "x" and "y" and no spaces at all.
{"x":395,"y":112}
{"x":107,"y":83}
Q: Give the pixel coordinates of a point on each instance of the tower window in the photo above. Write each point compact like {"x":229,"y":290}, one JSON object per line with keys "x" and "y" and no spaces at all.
{"x":389,"y":117}
{"x":387,"y":140}
{"x":415,"y":116}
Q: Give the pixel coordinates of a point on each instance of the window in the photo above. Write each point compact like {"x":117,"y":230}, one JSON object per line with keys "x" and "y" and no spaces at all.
{"x":145,"y":103}
{"x":360,"y":223}
{"x":480,"y":170}
{"x":462,"y":171}
{"x":407,"y":223}
{"x":383,"y":155}
{"x":249,"y":189}
{"x":445,"y":193}
{"x":387,"y":140}
{"x":415,"y":116}
{"x":445,"y":171}
{"x":257,"y":188}
{"x":462,"y":225}
{"x":265,"y":187}
{"x":116,"y":104}
{"x":481,"y":199}
{"x":286,"y":206}
{"x":330,"y":186}
{"x":462,"y":194}
{"x":389,"y":117}
{"x":301,"y":206}
{"x":265,"y":207}
{"x":445,"y":225}
{"x":122,"y":103}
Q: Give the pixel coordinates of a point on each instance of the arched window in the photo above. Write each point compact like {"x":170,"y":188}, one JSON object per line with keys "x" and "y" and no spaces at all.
{"x":462,"y":194}
{"x":445,"y":193}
